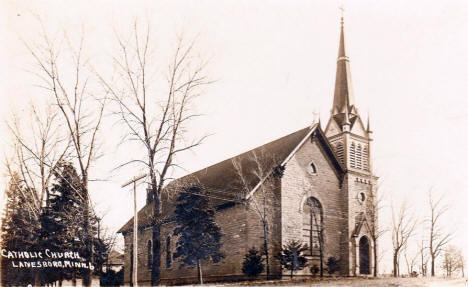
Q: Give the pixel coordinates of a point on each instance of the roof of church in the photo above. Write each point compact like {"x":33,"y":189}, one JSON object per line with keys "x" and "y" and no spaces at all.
{"x":222,"y":180}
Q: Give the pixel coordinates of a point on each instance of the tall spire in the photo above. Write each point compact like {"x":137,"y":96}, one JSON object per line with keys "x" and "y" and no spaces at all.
{"x":343,"y":85}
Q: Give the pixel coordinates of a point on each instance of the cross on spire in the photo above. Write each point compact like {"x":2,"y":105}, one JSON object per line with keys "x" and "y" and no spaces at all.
{"x":342,"y":13}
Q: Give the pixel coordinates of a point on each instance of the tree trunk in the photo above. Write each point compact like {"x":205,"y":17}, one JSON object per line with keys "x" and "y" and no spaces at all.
{"x":321,"y":260}
{"x":395,"y":265}
{"x":265,"y":247}
{"x":432,"y":265}
{"x":156,"y":236}
{"x":88,"y":236}
{"x":200,"y":276}
{"x":422,"y":264}
{"x":375,"y":257}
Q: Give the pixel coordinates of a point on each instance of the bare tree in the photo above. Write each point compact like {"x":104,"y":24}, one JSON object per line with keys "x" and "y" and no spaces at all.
{"x":156,"y":116}
{"x":260,"y":168}
{"x":38,"y":147}
{"x":403,"y":225}
{"x":423,"y":257}
{"x":37,"y":152}
{"x":453,"y":261}
{"x":461,"y":263}
{"x":374,"y":206}
{"x":410,"y":260}
{"x":437,"y":237}
{"x":65,"y":76}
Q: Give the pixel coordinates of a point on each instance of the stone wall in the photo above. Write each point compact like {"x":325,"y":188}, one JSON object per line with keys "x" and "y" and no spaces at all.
{"x":300,"y":183}
{"x":242,"y":229}
{"x":357,"y":184}
{"x":144,"y":274}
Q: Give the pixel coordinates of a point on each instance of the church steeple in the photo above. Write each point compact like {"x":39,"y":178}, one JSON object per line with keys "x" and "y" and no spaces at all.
{"x":344,"y":95}
{"x":346,"y":131}
{"x":351,"y":141}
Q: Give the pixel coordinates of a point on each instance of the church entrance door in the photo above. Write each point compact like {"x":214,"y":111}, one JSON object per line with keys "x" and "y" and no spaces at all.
{"x":364,"y":250}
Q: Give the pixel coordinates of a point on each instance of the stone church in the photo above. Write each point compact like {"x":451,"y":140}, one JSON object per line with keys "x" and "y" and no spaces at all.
{"x":313,"y":185}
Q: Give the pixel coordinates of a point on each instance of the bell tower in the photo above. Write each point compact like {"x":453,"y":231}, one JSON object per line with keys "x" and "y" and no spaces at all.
{"x":351,"y":141}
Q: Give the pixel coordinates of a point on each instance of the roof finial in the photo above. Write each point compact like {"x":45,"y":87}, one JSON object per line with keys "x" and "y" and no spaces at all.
{"x":316,"y":116}
{"x":342,"y":14}
{"x":368,"y":123}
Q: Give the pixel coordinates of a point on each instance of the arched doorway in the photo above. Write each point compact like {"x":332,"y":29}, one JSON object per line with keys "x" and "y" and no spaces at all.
{"x":364,"y":256}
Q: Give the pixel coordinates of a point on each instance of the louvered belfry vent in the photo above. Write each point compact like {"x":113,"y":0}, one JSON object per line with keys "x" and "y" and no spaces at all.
{"x":359,"y":156}
{"x":352,"y":155}
{"x":339,"y":150}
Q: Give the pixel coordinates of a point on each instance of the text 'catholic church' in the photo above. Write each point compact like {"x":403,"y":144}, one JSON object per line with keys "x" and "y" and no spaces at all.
{"x":323,"y":195}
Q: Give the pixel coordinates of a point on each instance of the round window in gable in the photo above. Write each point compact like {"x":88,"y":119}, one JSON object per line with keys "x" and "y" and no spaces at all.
{"x":312,"y":168}
{"x":362,"y":197}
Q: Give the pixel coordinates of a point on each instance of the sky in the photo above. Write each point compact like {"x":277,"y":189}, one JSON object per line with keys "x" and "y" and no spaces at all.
{"x":274,"y":64}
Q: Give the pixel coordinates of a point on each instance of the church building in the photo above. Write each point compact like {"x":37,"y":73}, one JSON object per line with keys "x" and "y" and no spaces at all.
{"x":314,"y":185}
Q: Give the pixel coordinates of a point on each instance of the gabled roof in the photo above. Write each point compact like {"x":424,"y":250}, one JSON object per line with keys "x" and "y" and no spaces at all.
{"x":360,"y":220}
{"x":222,"y":181}
{"x":316,"y":131}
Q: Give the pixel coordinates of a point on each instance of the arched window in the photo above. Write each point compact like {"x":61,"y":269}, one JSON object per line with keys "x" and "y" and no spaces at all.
{"x":362,"y":197}
{"x":313,"y":169}
{"x":352,"y":155}
{"x":168,"y":252}
{"x":313,"y":226}
{"x":150,"y":254}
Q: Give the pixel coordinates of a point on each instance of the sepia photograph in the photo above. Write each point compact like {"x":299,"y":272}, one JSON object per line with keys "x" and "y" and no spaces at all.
{"x":233,"y":143}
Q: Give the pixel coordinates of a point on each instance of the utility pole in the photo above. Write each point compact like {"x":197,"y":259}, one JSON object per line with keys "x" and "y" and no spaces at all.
{"x":135,"y":229}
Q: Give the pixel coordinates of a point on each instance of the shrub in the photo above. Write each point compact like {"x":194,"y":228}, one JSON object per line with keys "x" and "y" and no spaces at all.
{"x":333,"y":265}
{"x":314,"y":269}
{"x":292,"y":256}
{"x":253,"y":263}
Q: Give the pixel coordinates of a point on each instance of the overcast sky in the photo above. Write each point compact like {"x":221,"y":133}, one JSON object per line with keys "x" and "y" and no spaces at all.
{"x":274,"y":62}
